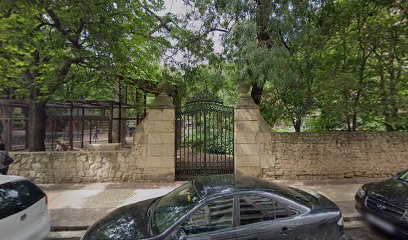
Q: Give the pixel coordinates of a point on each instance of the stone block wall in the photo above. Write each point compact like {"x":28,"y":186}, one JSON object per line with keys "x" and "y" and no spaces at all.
{"x":333,"y":155}
{"x":151,"y":157}
{"x":77,"y":167}
{"x":261,"y":153}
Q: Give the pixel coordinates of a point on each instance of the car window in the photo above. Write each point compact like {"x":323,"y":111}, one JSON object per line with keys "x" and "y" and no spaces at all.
{"x":404,"y":176}
{"x":123,"y":224}
{"x":214,"y":216}
{"x":253,"y":209}
{"x":173,"y":206}
{"x":17,"y":196}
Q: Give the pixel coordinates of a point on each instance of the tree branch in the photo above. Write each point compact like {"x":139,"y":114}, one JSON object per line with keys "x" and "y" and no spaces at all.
{"x":218,"y":30}
{"x":163,"y":23}
{"x":284,"y":42}
{"x":57,"y":22}
{"x":62,"y":73}
{"x":66,"y":32}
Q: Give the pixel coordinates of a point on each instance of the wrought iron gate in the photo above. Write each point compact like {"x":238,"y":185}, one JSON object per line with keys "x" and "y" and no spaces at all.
{"x":204,"y":138}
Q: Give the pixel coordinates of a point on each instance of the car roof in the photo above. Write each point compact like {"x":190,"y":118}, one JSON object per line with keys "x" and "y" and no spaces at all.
{"x":208,"y":186}
{"x":10,"y":178}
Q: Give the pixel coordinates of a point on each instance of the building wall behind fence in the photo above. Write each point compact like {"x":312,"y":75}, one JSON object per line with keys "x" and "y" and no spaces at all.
{"x":333,"y":155}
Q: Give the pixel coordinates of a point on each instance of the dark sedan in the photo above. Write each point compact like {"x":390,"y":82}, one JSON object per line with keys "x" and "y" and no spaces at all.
{"x":225,"y":207}
{"x":385,"y":204}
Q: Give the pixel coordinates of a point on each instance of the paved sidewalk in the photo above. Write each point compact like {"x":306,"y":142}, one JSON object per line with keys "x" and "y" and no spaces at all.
{"x":77,"y":206}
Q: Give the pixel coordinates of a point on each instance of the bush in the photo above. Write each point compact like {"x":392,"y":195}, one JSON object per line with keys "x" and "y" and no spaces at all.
{"x":216,"y":143}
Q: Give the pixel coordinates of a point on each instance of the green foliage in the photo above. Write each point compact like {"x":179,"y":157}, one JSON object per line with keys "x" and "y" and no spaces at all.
{"x":361,"y":75}
{"x":216,"y":142}
{"x":217,"y":78}
{"x":345,"y":60}
{"x":63,"y":49}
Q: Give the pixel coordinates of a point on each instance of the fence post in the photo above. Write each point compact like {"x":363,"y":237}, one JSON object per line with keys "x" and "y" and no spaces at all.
{"x":71,"y":125}
{"x":110,"y":136}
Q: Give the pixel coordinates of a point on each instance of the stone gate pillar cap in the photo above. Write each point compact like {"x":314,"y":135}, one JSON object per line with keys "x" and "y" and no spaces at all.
{"x":243,"y":89}
{"x":162,"y":101}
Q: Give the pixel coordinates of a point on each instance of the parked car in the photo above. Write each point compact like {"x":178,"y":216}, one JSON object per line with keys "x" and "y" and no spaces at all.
{"x":385,"y":204}
{"x":23,"y":210}
{"x":224,"y":207}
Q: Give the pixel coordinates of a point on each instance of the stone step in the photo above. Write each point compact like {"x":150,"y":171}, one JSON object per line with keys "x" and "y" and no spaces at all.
{"x":65,"y":235}
{"x":355,"y":224}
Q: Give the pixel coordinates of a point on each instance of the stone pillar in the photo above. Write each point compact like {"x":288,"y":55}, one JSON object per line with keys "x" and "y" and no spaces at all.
{"x":247,"y":126}
{"x":160,"y":129}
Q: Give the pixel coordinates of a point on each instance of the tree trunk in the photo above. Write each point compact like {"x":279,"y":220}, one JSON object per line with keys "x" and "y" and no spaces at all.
{"x":354,"y":128}
{"x":6,"y":126}
{"x":297,"y":124}
{"x":384,"y":102}
{"x":392,"y":108}
{"x":349,"y":129}
{"x":37,"y":120}
{"x":264,"y":41}
{"x":37,"y":115}
{"x":256,"y":93}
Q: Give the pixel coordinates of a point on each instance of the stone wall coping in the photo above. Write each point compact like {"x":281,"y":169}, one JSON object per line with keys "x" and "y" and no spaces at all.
{"x":343,"y":133}
{"x":72,"y":152}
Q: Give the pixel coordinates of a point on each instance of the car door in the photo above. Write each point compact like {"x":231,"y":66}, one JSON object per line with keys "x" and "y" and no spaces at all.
{"x":213,"y":221}
{"x":261,"y":217}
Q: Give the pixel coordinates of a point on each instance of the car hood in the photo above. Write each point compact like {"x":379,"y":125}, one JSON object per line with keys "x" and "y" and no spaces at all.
{"x":394,"y":190}
{"x":127,"y":222}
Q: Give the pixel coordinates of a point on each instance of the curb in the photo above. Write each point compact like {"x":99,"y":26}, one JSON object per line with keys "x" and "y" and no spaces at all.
{"x":67,"y":235}
{"x":353,"y":219}
{"x":68,"y":228}
{"x":349,"y":220}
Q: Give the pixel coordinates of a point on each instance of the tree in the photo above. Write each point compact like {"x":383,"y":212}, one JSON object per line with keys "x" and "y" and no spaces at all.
{"x":344,"y":61}
{"x":270,"y":41}
{"x":47,"y":46}
{"x":389,"y":63}
{"x":361,"y":69}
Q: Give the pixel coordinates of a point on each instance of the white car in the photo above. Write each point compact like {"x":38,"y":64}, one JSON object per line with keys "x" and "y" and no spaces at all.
{"x":23,"y":210}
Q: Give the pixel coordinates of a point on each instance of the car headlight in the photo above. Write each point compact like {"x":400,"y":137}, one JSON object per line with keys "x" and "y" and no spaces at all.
{"x":361,"y":192}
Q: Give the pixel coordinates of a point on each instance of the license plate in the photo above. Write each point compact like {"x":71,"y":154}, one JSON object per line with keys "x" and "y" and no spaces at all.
{"x":380,"y":223}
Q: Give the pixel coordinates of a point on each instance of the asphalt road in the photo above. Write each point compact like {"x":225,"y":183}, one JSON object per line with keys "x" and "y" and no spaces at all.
{"x":353,"y":234}
{"x":367,"y":234}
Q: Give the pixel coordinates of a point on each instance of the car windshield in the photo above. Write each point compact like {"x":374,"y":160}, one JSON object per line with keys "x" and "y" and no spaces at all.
{"x":173,"y":206}
{"x":404,"y":176}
